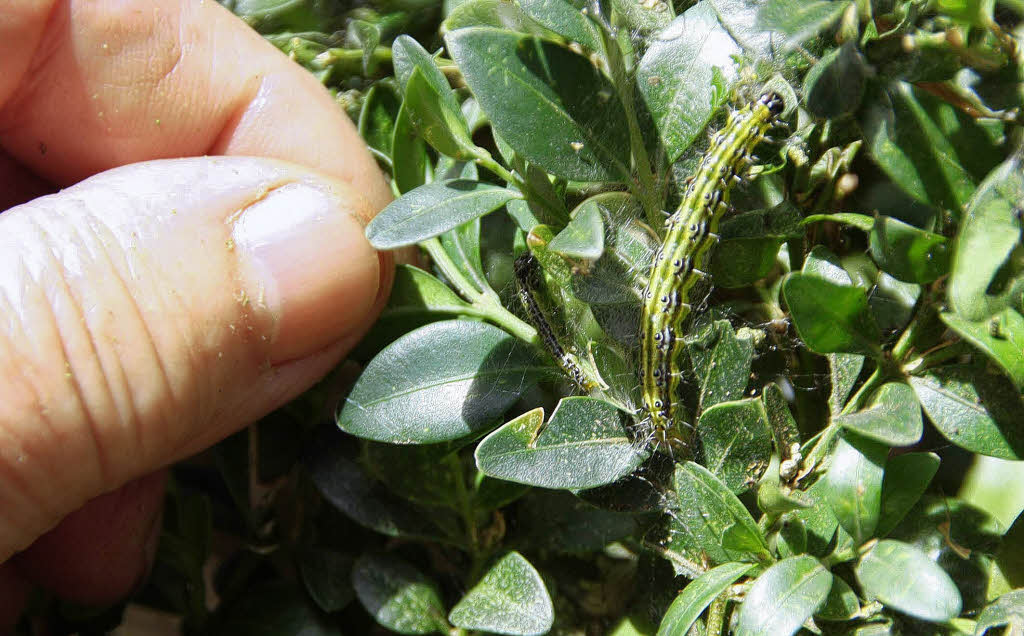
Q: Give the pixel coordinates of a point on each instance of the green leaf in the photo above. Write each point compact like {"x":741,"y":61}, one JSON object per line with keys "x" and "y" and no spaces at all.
{"x":1001,"y":338}
{"x":367,"y":36}
{"x":784,"y":596}
{"x":377,"y":117}
{"x":558,"y":521}
{"x":685,"y":75}
{"x":526,"y":84}
{"x":494,"y":13}
{"x":697,"y":595}
{"x":271,"y":608}
{"x":583,"y":445}
{"x":905,"y":579}
{"x":842,"y":603}
{"x":829,"y":317}
{"x":407,"y":56}
{"x":438,"y":383}
{"x":397,"y":595}
{"x":408,"y":153}
{"x":462,"y":243}
{"x":439,"y":122}
{"x":909,"y":146}
{"x":736,"y":441}
{"x":892,"y":417}
{"x":721,"y":361}
{"x":564,"y":19}
{"x":818,"y":519}
{"x":859,"y":221}
{"x":974,"y":409}
{"x":853,"y":484}
{"x":835,"y":84}
{"x":706,"y":510}
{"x":798,"y":20}
{"x":423,"y":474}
{"x":643,"y":16}
{"x":750,"y":244}
{"x":583,"y":237}
{"x":909,"y":254}
{"x":792,"y":538}
{"x":509,"y":599}
{"x":906,"y":478}
{"x":990,"y":231}
{"x":327,"y":576}
{"x":843,"y":368}
{"x":740,"y":19}
{"x":1007,"y":610}
{"x":433,"y":209}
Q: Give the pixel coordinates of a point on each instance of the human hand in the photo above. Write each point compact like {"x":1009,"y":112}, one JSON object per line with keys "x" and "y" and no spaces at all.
{"x":154,"y":308}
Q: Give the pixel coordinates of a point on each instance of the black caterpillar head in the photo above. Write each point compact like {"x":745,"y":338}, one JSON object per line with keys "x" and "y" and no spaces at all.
{"x":773,"y":102}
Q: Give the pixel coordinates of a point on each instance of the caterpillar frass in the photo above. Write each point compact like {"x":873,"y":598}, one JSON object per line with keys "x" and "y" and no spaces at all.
{"x":690,"y":233}
{"x":528,"y":274}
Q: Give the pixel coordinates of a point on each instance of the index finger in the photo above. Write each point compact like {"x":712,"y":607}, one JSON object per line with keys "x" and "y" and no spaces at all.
{"x":88,"y":86}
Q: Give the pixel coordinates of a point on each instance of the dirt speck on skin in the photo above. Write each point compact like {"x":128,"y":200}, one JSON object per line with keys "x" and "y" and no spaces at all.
{"x":230,"y":244}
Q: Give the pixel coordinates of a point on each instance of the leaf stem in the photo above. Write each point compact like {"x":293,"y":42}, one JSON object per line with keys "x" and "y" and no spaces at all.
{"x":485,"y":160}
{"x":483,"y":305}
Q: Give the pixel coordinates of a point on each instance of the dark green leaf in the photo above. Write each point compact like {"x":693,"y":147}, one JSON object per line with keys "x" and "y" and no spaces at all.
{"x":906,"y":478}
{"x":707,"y":509}
{"x":842,"y":603}
{"x":584,"y":236}
{"x":685,"y":75}
{"x":644,"y":16}
{"x":377,"y":117}
{"x":327,"y":575}
{"x":892,"y":417}
{"x":552,"y":89}
{"x":835,"y":85}
{"x":792,"y":538}
{"x":783,"y":597}
{"x":509,"y":599}
{"x":398,"y":596}
{"x":905,"y":579}
{"x":974,"y":409}
{"x":367,"y":36}
{"x":750,"y":244}
{"x":721,"y":361}
{"x":799,"y":20}
{"x":1007,"y":610}
{"x":583,"y":445}
{"x":990,"y":231}
{"x":1000,"y":337}
{"x":423,"y":474}
{"x":818,"y":518}
{"x":697,"y":595}
{"x":736,"y":441}
{"x":564,"y":19}
{"x":829,"y":317}
{"x":408,"y":154}
{"x":441,"y":382}
{"x":844,"y":368}
{"x":439,"y":121}
{"x":274,"y":608}
{"x":433,"y":209}
{"x":463,"y":245}
{"x":555,"y":520}
{"x":909,"y":254}
{"x":853,"y":484}
{"x":859,"y":221}
{"x":784,"y":428}
{"x":910,"y":147}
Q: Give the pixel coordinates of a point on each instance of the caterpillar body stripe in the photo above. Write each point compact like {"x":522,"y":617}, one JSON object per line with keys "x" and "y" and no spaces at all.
{"x":528,"y":275}
{"x":690,"y":233}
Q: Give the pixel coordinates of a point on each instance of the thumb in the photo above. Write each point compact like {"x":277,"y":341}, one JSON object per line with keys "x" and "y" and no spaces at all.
{"x":155,"y":308}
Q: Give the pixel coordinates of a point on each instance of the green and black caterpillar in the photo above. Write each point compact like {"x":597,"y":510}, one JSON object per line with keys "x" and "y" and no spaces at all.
{"x":690,"y":233}
{"x":528,"y":273}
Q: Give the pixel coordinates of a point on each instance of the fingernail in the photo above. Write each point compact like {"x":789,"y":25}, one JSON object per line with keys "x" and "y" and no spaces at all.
{"x":305,"y":258}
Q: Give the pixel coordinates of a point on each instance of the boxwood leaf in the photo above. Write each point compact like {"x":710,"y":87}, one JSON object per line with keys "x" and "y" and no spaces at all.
{"x":829,"y":317}
{"x":906,"y":478}
{"x":740,"y":19}
{"x":377,"y":117}
{"x":893,"y":416}
{"x":398,"y":596}
{"x":271,"y":608}
{"x":564,"y":19}
{"x":799,"y":20}
{"x":736,"y":441}
{"x":409,"y":164}
{"x":556,"y":520}
{"x":433,"y":209}
{"x":1000,"y":337}
{"x":842,"y":603}
{"x":976,"y":410}
{"x":697,"y":595}
{"x":853,"y":484}
{"x":439,"y":121}
{"x":706,"y":510}
{"x":440,"y":382}
{"x":509,"y":599}
{"x":327,"y":576}
{"x":721,"y":361}
{"x":905,"y":579}
{"x":751,"y":242}
{"x":1008,"y":610}
{"x":843,"y":369}
{"x":685,"y":75}
{"x":990,"y":231}
{"x":525,"y":84}
{"x":908,"y":253}
{"x":583,"y":237}
{"x":835,"y":84}
{"x":583,"y":445}
{"x":784,"y":596}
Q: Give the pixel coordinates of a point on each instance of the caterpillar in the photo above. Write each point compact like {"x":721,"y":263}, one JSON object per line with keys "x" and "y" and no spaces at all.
{"x":690,"y":233}
{"x":528,"y":280}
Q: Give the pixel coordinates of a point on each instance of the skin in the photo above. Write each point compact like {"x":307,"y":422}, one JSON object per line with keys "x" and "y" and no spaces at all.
{"x":149,"y":307}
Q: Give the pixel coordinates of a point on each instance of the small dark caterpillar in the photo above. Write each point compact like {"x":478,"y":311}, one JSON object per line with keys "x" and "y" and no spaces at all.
{"x":528,"y":275}
{"x":678,"y":264}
